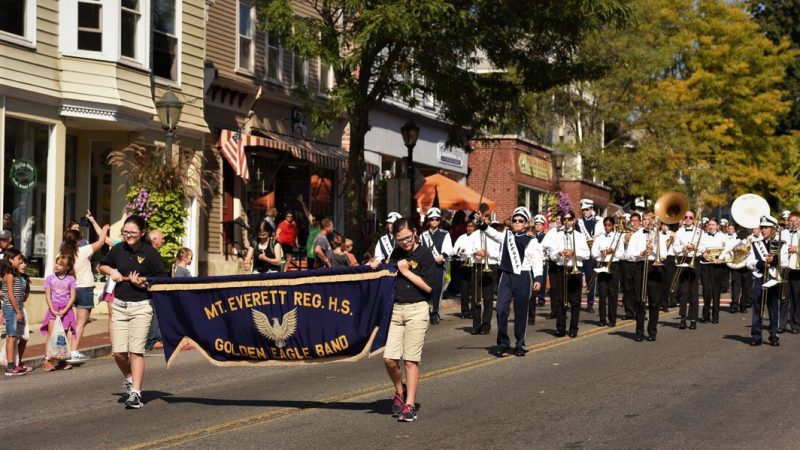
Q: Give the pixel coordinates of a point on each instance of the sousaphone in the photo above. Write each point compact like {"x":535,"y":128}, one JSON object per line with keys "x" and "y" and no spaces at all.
{"x":671,"y":207}
{"x":748,"y":209}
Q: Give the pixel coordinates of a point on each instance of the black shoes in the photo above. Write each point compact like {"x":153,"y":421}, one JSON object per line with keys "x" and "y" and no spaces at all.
{"x":475,"y":331}
{"x":714,"y":320}
{"x":602,"y":323}
{"x":693,"y":325}
{"x":500,"y":351}
{"x":590,"y":309}
{"x":520,"y":352}
{"x":755,"y":342}
{"x":435,"y":320}
{"x":774,"y":341}
{"x":560,"y":334}
{"x":651,"y":338}
{"x":612,"y":324}
{"x":572,"y":334}
{"x":552,"y":315}
{"x":638,"y":338}
{"x":734,"y":309}
{"x":682,"y":326}
{"x":781,"y":331}
{"x":531,"y":320}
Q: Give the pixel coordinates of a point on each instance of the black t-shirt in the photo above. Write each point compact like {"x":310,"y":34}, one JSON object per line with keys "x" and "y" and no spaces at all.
{"x":406,"y":291}
{"x":144,"y":260}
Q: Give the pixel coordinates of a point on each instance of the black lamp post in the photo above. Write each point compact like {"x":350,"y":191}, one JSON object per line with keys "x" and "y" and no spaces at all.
{"x":558,"y":158}
{"x":410,"y":132}
{"x":169,"y":109}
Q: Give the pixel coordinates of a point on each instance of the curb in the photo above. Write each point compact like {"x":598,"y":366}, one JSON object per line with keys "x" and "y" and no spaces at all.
{"x":92,"y":352}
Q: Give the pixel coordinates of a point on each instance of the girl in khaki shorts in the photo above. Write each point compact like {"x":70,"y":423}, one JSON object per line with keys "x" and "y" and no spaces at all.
{"x":410,"y":317}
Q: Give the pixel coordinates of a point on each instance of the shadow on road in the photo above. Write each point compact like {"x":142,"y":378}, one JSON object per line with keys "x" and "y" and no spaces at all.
{"x":374,"y":407}
{"x":737,"y":337}
{"x":625,"y":334}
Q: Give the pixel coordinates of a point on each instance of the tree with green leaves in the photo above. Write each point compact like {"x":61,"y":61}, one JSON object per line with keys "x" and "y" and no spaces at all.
{"x":391,"y":49}
{"x":692,"y":103}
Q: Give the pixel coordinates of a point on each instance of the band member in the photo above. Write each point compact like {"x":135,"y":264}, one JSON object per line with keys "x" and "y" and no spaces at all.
{"x":711,"y":245}
{"x":609,"y":251}
{"x":741,"y":277}
{"x":463,"y":250}
{"x":483,"y":299}
{"x":790,"y":305}
{"x":686,"y":239}
{"x":520,"y":268}
{"x":667,"y":238}
{"x":764,"y":265}
{"x":570,"y":251}
{"x":590,"y":225}
{"x":438,"y":242}
{"x":642,"y":250}
{"x":629,"y":269}
{"x":728,"y":230}
{"x":549,"y":260}
{"x":385,"y":245}
{"x":539,"y":234}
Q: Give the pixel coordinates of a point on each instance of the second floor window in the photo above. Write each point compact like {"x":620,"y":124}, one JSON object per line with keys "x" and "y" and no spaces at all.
{"x":12,"y":17}
{"x":90,"y":26}
{"x":246,"y":35}
{"x":165,"y":40}
{"x":131,"y":14}
{"x":274,"y":57}
{"x":299,"y":71}
{"x":325,"y":77}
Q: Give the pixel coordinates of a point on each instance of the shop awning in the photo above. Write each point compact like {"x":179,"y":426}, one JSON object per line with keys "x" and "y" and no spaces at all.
{"x":452,"y":195}
{"x":319,"y":154}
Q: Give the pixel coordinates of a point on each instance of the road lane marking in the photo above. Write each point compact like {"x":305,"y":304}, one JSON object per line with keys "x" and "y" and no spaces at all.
{"x":260,"y":419}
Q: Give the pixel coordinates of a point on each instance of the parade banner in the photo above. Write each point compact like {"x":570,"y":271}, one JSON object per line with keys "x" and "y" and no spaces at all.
{"x":298,"y":317}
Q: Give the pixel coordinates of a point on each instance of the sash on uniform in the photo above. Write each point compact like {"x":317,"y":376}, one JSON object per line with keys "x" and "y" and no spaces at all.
{"x":427,"y":239}
{"x":386,"y":245}
{"x":583,"y":228}
{"x":513,"y":253}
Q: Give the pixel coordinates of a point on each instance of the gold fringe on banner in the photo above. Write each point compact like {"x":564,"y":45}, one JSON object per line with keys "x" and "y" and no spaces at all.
{"x":277,"y":282}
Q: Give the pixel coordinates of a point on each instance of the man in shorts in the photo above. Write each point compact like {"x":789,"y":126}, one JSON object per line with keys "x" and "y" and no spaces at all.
{"x":410,"y":317}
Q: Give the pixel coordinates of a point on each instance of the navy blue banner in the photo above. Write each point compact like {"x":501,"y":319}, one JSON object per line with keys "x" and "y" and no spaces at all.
{"x":279,"y":318}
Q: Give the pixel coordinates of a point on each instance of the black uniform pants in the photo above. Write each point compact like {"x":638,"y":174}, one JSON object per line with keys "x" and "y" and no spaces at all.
{"x":687,"y":283}
{"x":790,"y":305}
{"x":607,"y":291}
{"x":482,"y":304}
{"x":573,"y":286}
{"x":466,"y":289}
{"x":741,"y":288}
{"x":628,"y":294}
{"x":712,"y":286}
{"x":651,"y":304}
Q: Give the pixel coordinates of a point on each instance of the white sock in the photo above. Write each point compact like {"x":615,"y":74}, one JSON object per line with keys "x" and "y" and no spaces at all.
{"x":138,"y":392}
{"x":129,"y":380}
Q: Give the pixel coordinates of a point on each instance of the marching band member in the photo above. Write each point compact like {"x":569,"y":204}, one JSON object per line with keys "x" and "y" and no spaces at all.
{"x":590,"y":226}
{"x":464,"y":250}
{"x":640,"y":249}
{"x":385,"y":245}
{"x":538,"y":232}
{"x":730,"y":234}
{"x":549,"y":261}
{"x":520,"y":260}
{"x":438,"y":242}
{"x":569,"y":250}
{"x":790,"y":306}
{"x":608,"y":250}
{"x":760,"y":260}
{"x":742,"y":277}
{"x":629,"y":269}
{"x":685,"y":247}
{"x":482,"y":301}
{"x":667,"y":238}
{"x":712,"y":241}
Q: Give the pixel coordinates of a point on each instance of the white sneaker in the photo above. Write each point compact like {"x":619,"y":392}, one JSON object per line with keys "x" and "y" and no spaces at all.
{"x":128,"y":386}
{"x":77,"y":358}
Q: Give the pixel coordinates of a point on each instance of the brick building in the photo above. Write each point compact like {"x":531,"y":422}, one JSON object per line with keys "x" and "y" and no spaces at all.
{"x":522,"y":172}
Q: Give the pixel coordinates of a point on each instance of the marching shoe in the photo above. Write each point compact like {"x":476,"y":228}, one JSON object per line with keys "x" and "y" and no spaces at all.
{"x":774,"y":341}
{"x":682,"y":326}
{"x":651,"y":338}
{"x":755,"y":342}
{"x":693,"y":325}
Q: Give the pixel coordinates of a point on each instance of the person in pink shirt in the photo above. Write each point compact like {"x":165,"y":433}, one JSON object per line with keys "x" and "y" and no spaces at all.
{"x":60,"y":289}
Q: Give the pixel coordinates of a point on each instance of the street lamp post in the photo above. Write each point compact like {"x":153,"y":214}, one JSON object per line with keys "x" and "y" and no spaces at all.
{"x":558,"y":158}
{"x":410,"y":132}
{"x":169,"y":109}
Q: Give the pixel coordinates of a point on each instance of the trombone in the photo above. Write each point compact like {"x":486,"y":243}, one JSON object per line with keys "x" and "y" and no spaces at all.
{"x":696,"y":243}
{"x":569,"y":244}
{"x":619,"y":228}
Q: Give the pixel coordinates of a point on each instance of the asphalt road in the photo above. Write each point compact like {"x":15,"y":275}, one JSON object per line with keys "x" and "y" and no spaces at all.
{"x":703,"y":388}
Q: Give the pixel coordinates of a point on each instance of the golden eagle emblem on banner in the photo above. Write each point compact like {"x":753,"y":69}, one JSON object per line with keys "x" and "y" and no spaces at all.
{"x":277,"y":332}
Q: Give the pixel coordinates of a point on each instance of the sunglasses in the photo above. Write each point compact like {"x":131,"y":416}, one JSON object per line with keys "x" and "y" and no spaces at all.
{"x":518,"y":220}
{"x":435,"y":219}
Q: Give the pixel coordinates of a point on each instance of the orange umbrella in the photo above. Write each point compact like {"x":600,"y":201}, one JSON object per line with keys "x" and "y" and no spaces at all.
{"x":452,"y":195}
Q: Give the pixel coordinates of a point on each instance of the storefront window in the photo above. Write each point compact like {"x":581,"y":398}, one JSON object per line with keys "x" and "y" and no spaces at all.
{"x":70,"y":179}
{"x":530,"y":198}
{"x":25,"y":194}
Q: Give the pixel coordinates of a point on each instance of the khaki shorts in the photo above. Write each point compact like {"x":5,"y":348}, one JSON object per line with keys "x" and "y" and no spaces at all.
{"x":129,"y":327}
{"x":407,"y":331}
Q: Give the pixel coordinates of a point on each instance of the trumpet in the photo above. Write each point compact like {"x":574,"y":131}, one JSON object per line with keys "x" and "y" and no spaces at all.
{"x":574,"y":260}
{"x":486,"y":267}
{"x":610,"y":256}
{"x":766,"y":283}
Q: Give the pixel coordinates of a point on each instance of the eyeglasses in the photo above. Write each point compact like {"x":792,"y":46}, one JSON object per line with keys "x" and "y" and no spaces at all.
{"x":406,"y":239}
{"x":518,"y":220}
{"x":688,"y":217}
{"x":127,"y":233}
{"x":435,"y":219}
{"x":568,"y":219}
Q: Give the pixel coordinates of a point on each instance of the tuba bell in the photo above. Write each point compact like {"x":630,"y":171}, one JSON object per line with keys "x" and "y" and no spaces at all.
{"x":747,"y":210}
{"x":671,"y":207}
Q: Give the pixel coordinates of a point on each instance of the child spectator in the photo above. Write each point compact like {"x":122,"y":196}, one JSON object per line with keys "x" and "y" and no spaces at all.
{"x":183,"y":258}
{"x":339,"y":257}
{"x":13,"y":268}
{"x":348,"y":250}
{"x":60,"y":291}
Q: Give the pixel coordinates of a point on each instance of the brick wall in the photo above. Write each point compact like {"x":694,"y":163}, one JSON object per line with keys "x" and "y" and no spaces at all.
{"x":579,"y":189}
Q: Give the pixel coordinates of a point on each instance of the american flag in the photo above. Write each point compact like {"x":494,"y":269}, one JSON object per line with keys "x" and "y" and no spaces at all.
{"x":233,"y":151}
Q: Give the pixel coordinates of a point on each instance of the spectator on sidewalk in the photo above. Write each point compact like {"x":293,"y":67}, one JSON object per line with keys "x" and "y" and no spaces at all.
{"x":286,"y":235}
{"x":13,"y":268}
{"x":313,"y":231}
{"x":156,"y":239}
{"x":270,"y":218}
{"x":130,"y":264}
{"x":180,"y":266}
{"x":60,"y":292}
{"x":266,"y":251}
{"x":84,"y":302}
{"x":6,"y":241}
{"x":322,"y":248}
{"x":339,"y":256}
{"x":348,"y":249}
